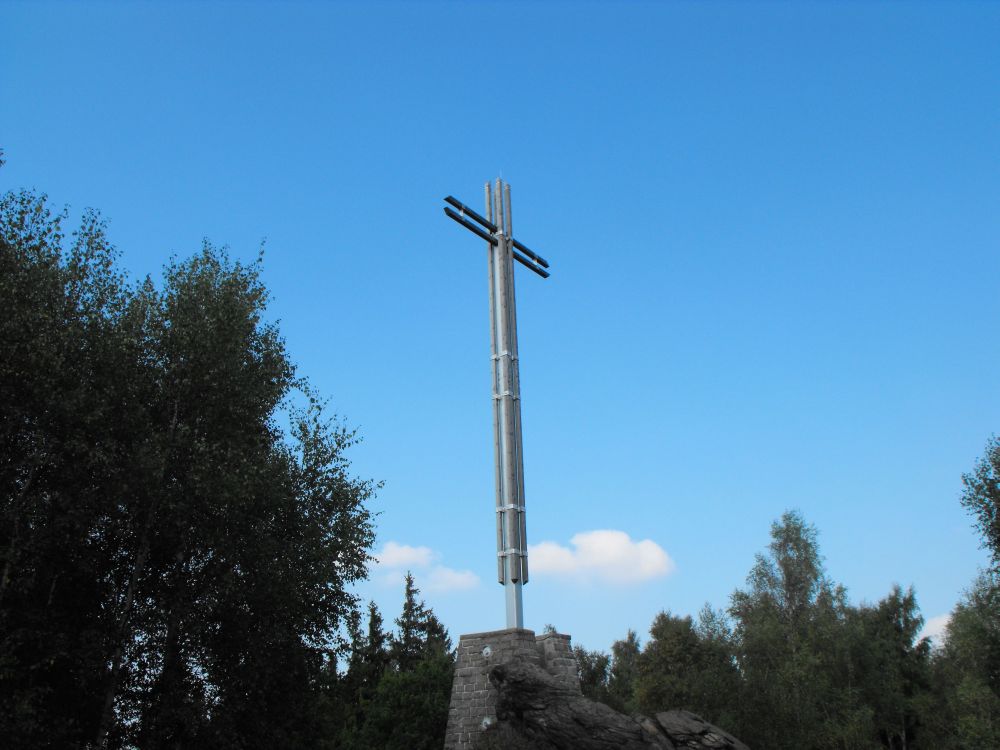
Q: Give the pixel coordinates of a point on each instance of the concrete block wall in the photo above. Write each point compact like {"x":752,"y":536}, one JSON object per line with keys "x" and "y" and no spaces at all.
{"x":473,"y":698}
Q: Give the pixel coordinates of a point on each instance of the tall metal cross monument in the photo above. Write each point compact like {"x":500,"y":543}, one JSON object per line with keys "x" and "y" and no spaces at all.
{"x":512,"y":545}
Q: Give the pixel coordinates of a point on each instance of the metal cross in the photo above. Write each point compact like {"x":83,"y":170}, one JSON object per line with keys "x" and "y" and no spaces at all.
{"x":512,"y":545}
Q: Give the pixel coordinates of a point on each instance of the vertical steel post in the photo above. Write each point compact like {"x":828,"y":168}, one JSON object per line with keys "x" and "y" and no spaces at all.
{"x":519,"y":514}
{"x":510,"y":500}
{"x":491,"y":215}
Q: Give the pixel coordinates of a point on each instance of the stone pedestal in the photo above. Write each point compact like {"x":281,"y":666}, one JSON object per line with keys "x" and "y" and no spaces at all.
{"x":473,"y":698}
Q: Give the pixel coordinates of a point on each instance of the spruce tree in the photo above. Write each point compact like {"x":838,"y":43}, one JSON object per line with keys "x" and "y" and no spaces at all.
{"x":409,"y":707}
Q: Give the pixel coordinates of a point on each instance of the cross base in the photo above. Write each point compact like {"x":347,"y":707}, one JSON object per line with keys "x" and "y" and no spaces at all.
{"x":473,"y":698}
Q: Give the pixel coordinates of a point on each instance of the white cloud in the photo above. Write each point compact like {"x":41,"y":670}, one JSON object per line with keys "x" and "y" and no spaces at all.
{"x":605,"y":554}
{"x":395,"y":555}
{"x":441,"y":579}
{"x":934,"y":629}
{"x":430,"y":576}
{"x":549,"y":557}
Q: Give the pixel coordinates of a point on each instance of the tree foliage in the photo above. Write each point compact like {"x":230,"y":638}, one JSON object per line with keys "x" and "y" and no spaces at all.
{"x":790,"y":644}
{"x":399,"y":684}
{"x":175,"y":563}
{"x":624,"y":672}
{"x":981,"y":497}
{"x":967,"y":666}
{"x":791,"y":664}
{"x":593,"y":668}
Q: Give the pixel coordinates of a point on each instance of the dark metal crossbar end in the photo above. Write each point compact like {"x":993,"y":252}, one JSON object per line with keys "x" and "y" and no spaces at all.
{"x":470,"y":226}
{"x":534,"y":256}
{"x":528,"y":264}
{"x":466,"y":210}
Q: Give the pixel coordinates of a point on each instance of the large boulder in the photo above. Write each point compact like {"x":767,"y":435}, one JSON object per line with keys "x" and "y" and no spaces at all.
{"x":537,"y":712}
{"x":686,"y":729}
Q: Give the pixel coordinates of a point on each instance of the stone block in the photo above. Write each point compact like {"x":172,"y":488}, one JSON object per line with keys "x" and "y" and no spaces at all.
{"x":473,"y":698}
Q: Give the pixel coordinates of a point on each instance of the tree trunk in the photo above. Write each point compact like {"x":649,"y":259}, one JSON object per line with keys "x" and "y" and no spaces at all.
{"x":138,"y":567}
{"x":157,"y":725}
{"x":12,"y":547}
{"x":121,"y":630}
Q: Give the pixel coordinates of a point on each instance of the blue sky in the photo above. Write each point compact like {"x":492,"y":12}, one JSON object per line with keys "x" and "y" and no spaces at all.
{"x":774,"y":236}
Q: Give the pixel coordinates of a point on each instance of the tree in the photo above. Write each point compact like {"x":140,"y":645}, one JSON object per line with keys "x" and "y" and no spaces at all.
{"x":419,"y":632}
{"x":408,"y":708}
{"x":680,"y":669}
{"x":966,"y":668}
{"x":174,"y":564}
{"x":973,"y":635}
{"x":981,"y":497}
{"x":718,"y":680}
{"x":368,"y":663}
{"x":623,"y":673}
{"x":791,"y":647}
{"x":593,"y":668}
{"x":255,"y":534}
{"x":64,"y":448}
{"x":892,"y":667}
{"x":966,"y":671}
{"x":375,"y":654}
{"x":668,"y":665}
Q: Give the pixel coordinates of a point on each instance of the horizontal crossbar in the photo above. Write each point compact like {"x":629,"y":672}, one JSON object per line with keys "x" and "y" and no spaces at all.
{"x":470,"y":226}
{"x":528,"y":264}
{"x":466,"y":210}
{"x":537,"y":258}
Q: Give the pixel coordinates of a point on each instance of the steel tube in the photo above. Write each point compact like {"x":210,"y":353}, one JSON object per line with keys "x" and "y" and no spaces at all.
{"x":518,"y":516}
{"x":512,"y":402}
{"x":506,"y":343}
{"x":506,"y":211}
{"x":494,"y":390}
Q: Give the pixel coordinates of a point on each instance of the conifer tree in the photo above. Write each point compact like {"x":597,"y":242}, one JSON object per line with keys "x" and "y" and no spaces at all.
{"x":376,"y":648}
{"x":408,"y":644}
{"x":409,"y":707}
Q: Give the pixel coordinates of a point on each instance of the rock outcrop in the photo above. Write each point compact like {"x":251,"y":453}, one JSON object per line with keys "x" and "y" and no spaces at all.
{"x":685,"y":729}
{"x":535,"y":711}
